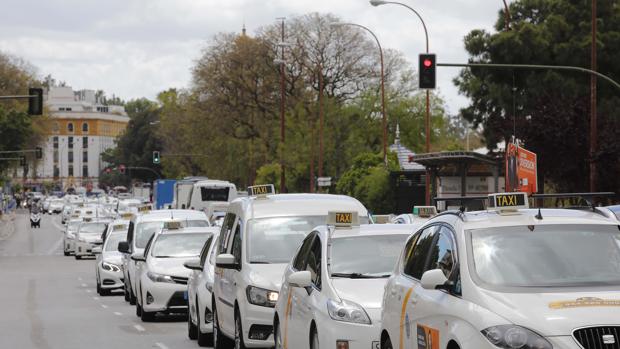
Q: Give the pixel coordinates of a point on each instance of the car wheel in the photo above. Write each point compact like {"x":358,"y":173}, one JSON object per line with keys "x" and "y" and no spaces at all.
{"x":138,"y":309}
{"x":132,"y":297}
{"x":386,"y":344}
{"x":238,"y":332}
{"x":314,"y":343}
{"x":204,"y":339}
{"x":191,"y":328}
{"x":277,"y":336}
{"x":146,"y":316}
{"x":98,"y":288}
{"x":219,"y":341}
{"x":126,"y":290}
{"x":78,"y":257}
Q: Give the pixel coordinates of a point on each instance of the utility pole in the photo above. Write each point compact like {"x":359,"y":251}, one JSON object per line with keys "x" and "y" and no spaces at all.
{"x":593,"y":121}
{"x":282,"y":121}
{"x":320,"y":120}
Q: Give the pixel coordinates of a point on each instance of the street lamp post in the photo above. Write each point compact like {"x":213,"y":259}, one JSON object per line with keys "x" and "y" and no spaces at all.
{"x":427,"y":119}
{"x":384,"y":116}
{"x":281,"y":62}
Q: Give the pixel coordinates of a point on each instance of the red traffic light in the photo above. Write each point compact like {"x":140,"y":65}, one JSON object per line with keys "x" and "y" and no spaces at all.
{"x":428,"y":63}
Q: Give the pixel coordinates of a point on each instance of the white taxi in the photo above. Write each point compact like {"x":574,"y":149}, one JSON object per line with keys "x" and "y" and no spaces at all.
{"x":69,"y":235}
{"x":508,"y":277}
{"x":161,"y":284}
{"x":259,"y":237}
{"x":88,"y":236}
{"x":109,"y":265}
{"x":333,"y":287}
{"x":200,"y":293}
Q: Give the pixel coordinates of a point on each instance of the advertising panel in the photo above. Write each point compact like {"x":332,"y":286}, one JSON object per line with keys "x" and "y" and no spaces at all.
{"x":521,"y":171}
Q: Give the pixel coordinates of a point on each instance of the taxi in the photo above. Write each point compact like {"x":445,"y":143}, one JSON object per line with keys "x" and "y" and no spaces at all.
{"x":420,"y":215}
{"x":109,"y":264}
{"x":69,"y":232}
{"x":508,"y":277}
{"x":88,"y":236}
{"x":259,"y":236}
{"x":333,"y":287}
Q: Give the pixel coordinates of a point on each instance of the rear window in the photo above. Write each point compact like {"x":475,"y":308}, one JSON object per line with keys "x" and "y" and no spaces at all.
{"x":214,"y":194}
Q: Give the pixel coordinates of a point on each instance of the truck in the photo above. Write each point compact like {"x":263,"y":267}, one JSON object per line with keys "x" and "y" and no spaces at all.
{"x":163,"y":193}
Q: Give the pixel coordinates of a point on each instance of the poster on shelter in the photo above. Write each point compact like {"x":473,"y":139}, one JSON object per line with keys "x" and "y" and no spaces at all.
{"x":521,"y":171}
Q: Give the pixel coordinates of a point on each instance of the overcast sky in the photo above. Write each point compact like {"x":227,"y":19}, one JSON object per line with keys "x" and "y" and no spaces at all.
{"x":136,"y":48}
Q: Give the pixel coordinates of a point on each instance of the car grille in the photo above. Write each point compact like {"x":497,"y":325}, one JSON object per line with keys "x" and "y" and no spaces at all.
{"x":177,"y":300}
{"x":603,"y":337}
{"x":179,"y":280}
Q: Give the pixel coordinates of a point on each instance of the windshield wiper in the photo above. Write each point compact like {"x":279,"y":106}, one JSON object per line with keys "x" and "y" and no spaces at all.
{"x":359,"y":276}
{"x":259,"y":262}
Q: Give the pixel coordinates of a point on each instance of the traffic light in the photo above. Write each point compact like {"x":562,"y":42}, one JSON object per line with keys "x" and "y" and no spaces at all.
{"x":428,"y":71}
{"x":35,"y":101}
{"x":156,"y":158}
{"x":22,"y":161}
{"x":39,"y":152}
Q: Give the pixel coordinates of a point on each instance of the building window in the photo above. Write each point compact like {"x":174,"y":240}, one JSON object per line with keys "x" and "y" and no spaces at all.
{"x":85,"y":171}
{"x":56,"y":171}
{"x":70,"y":156}
{"x":85,"y":127}
{"x":70,"y":127}
{"x":55,"y":156}
{"x":85,"y":142}
{"x":85,"y":157}
{"x":55,"y":141}
{"x":70,"y":141}
{"x":70,"y":171}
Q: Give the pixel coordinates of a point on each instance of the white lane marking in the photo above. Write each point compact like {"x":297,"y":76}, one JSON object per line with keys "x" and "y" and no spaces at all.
{"x":84,"y":285}
{"x":96,"y":298}
{"x":79,"y":279}
{"x":118,"y":314}
{"x":139,"y":328}
{"x":89,"y":291}
{"x":161,"y":345}
{"x":104,"y":306}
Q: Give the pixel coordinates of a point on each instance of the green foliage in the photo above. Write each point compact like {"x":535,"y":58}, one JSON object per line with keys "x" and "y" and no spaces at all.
{"x":268,"y":174}
{"x":551,"y":108}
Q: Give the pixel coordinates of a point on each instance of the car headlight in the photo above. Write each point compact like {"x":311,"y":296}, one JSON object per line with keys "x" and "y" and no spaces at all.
{"x":70,"y":235}
{"x":262,"y":297}
{"x":515,"y":337}
{"x":110,"y":267}
{"x":347,"y":311}
{"x":159,"y":277}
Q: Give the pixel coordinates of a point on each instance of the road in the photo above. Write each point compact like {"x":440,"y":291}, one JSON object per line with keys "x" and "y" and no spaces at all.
{"x":49,"y":301}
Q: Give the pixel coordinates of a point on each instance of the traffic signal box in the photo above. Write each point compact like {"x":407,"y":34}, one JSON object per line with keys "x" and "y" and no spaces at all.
{"x":156,"y":158}
{"x":35,"y":101}
{"x":428,"y":71}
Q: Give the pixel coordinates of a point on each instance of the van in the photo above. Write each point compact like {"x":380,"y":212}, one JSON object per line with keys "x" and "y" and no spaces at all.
{"x":208,"y":192}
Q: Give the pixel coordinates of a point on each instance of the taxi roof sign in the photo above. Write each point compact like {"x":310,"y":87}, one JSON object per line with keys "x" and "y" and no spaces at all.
{"x":261,"y":190}
{"x":343,"y":219}
{"x":173,"y":225}
{"x":425,"y":211}
{"x":506,"y":202}
{"x":119,"y":227}
{"x":127,"y":215}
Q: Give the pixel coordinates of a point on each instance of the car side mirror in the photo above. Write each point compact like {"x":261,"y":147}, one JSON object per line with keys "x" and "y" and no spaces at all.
{"x":193,"y":265}
{"x":434,"y":279}
{"x":97,"y":250}
{"x":301,"y":279}
{"x":123,"y":247}
{"x":138,"y":257}
{"x":226,"y":261}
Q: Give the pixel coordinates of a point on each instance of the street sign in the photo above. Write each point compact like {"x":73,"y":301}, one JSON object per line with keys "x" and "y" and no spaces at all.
{"x":324,"y":181}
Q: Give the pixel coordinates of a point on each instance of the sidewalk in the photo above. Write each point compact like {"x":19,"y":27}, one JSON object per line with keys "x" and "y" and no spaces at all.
{"x":7,"y":225}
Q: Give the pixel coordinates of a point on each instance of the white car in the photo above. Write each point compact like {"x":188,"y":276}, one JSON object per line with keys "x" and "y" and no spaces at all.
{"x":69,"y":235}
{"x":87,"y":237}
{"x":116,"y":226}
{"x":420,"y":215}
{"x":141,"y":229}
{"x":161,"y":275}
{"x":56,"y":206}
{"x":333,"y":287}
{"x":509,"y":277}
{"x":248,"y":275}
{"x":200,"y":293}
{"x":109,"y":272}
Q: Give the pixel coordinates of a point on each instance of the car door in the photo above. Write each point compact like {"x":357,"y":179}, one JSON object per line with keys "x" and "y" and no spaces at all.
{"x":195,"y":279}
{"x":223,"y":289}
{"x":433,"y":306}
{"x":309,"y":299}
{"x":291,"y":319}
{"x":141,"y":269}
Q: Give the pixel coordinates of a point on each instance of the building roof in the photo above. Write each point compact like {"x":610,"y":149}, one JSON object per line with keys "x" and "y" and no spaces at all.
{"x":405,"y":156}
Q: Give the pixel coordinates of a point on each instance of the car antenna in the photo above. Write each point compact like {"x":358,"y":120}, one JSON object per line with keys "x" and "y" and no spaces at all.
{"x":539,"y":215}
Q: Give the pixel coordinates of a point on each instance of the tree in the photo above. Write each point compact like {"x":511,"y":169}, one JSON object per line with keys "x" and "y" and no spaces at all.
{"x":548,"y":109}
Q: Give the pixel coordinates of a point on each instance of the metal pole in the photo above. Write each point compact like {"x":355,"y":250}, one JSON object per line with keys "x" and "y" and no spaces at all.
{"x":593,"y":121}
{"x":320,"y":120}
{"x":506,"y":16}
{"x":282,"y":133}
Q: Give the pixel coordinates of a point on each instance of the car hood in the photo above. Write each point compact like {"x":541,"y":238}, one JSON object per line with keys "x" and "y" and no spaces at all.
{"x":170,"y":266}
{"x":91,"y":238}
{"x":267,"y":276}
{"x":555,"y":314}
{"x":113,"y":257}
{"x":366,"y":292}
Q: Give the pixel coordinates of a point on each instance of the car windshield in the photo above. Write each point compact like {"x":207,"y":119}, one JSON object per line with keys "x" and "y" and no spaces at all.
{"x":547,"y":255}
{"x":366,"y":256}
{"x":74,"y":225}
{"x":111,"y":243}
{"x":145,"y":230}
{"x":179,"y":245}
{"x":196,"y":223}
{"x":92,"y":228}
{"x":275,"y":239}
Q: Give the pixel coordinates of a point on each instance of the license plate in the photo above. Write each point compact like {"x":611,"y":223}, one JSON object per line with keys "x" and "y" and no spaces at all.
{"x":375,"y":345}
{"x":185,"y":295}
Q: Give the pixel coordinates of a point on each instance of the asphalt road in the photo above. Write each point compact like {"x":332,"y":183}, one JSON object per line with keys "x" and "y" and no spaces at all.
{"x":49,"y":301}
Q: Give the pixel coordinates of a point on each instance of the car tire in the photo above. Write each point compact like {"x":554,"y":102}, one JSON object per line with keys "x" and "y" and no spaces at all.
{"x":191,"y":328}
{"x":138,"y":310}
{"x":386,"y":344}
{"x":314,"y":341}
{"x":277,"y":336}
{"x":126,"y":291}
{"x":98,"y":288}
{"x":239,"y":344}
{"x":204,"y":339}
{"x":147,"y":316}
{"x":219,"y":341}
{"x":78,"y":257}
{"x":66,"y":253}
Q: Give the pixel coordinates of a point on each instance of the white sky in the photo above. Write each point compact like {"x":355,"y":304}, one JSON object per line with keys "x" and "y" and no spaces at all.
{"x":137,"y":48}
